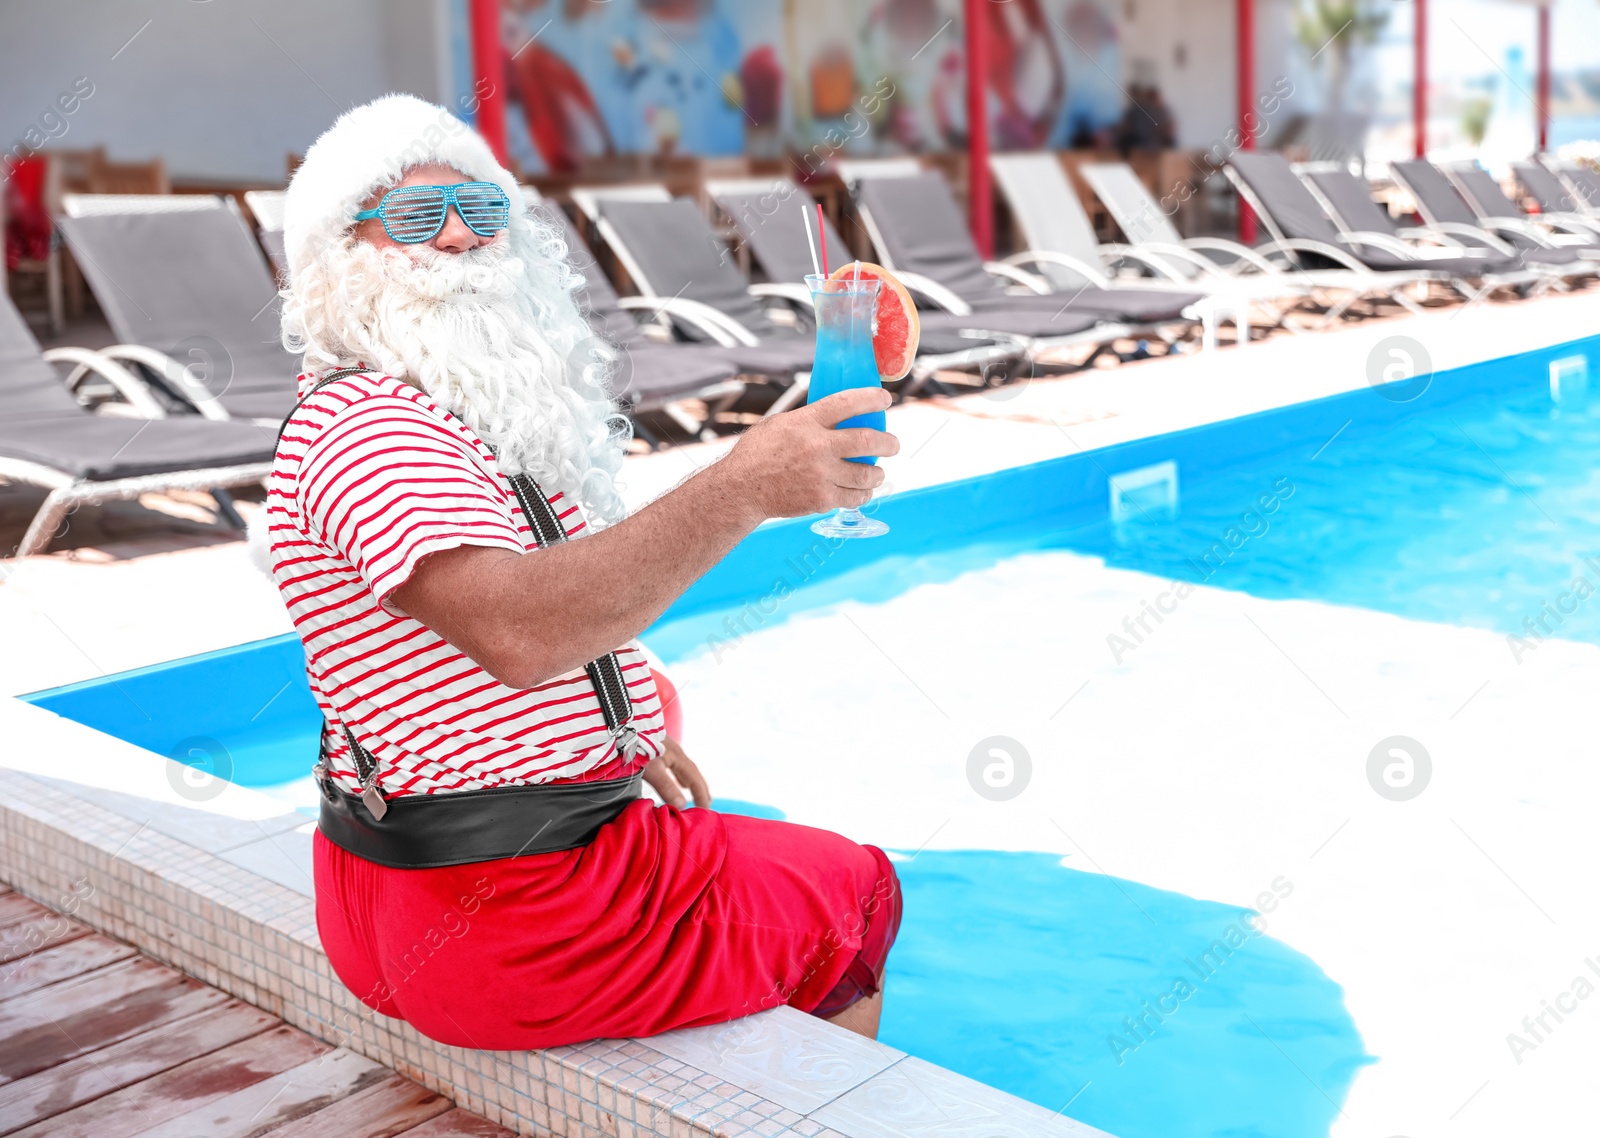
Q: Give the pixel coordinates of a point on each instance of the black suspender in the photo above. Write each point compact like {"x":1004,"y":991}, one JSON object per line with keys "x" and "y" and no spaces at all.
{"x":605,"y":673}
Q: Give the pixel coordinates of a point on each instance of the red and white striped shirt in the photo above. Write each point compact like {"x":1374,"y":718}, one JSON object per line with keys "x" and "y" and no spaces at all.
{"x":370,"y":477}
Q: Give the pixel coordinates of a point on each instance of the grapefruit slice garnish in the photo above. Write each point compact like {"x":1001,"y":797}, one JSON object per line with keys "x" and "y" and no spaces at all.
{"x":898,"y":327}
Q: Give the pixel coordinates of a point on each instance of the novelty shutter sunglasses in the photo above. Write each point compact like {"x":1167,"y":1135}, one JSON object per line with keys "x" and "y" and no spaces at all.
{"x":413,"y":214}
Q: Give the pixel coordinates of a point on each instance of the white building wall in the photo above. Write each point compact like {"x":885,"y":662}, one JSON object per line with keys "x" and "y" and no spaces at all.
{"x":222,"y":89}
{"x":1188,"y":48}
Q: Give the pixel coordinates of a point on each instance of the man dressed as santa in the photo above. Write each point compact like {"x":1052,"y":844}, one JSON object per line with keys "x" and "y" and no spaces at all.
{"x":446,"y":531}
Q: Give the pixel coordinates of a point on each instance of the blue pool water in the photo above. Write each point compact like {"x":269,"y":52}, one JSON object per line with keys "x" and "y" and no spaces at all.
{"x":1476,"y":503}
{"x":1473,"y":504}
{"x":1154,"y":1014}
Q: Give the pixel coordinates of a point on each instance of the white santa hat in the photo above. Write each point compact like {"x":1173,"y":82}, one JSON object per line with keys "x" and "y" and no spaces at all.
{"x":370,"y":148}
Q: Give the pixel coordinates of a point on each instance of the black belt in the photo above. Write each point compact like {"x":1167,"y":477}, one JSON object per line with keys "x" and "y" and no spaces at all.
{"x":424,"y":831}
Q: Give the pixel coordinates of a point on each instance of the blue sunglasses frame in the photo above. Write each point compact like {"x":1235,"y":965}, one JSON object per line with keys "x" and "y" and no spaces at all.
{"x":485,"y":215}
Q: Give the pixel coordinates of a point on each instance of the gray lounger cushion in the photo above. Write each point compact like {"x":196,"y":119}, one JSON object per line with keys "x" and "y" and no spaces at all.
{"x":191,"y":282}
{"x":680,"y":255}
{"x":41,"y":422}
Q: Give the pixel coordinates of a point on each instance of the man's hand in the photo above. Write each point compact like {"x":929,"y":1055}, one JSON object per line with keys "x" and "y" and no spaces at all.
{"x":671,"y":772}
{"x":794,"y":464}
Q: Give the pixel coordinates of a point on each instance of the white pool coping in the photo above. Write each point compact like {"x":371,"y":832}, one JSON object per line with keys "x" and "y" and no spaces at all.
{"x":217,"y":882}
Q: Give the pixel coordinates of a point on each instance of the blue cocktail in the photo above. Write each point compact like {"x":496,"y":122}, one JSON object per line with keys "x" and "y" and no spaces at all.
{"x":846,"y":309}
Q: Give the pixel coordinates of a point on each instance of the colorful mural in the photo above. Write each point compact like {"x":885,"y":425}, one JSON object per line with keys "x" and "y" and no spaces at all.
{"x":588,"y":79}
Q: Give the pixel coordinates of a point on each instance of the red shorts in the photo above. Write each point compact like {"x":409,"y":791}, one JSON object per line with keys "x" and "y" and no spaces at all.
{"x":667,"y":919}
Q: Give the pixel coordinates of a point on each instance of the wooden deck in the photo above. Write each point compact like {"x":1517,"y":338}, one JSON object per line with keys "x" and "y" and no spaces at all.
{"x":97,"y":1041}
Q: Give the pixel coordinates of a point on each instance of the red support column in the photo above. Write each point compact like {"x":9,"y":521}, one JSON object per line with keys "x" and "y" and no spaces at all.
{"x":980,"y":200}
{"x":1419,"y":80}
{"x":1245,"y":92}
{"x":1544,"y":78}
{"x":489,"y":74}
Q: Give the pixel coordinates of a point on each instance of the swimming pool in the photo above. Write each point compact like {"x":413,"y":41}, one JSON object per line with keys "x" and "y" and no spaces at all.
{"x":1469,"y":505}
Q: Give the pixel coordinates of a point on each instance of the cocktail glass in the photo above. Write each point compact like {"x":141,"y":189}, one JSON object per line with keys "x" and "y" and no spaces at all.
{"x":846,"y":310}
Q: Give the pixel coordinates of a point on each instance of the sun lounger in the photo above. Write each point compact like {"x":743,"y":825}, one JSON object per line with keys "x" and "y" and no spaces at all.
{"x":186,"y":289}
{"x":674,"y":257}
{"x":1473,"y":268}
{"x":744,"y":307}
{"x":1302,"y":231}
{"x":685,"y":283}
{"x":649,"y":375}
{"x":1562,"y":228}
{"x":769,"y":215}
{"x":918,"y":230}
{"x":1063,"y":247}
{"x":1148,"y":227}
{"x":1442,"y":207}
{"x":47,"y":439}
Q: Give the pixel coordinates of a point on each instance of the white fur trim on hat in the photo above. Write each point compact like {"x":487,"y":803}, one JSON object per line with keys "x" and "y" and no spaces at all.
{"x":367,"y":149}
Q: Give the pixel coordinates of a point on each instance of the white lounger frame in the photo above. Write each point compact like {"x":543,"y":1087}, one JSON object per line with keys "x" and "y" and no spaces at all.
{"x":67,"y":492}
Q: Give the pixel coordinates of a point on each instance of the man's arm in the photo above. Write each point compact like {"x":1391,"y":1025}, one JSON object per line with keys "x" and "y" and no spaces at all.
{"x":530,"y":617}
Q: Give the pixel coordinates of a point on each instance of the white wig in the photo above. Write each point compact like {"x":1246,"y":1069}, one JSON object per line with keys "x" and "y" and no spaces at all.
{"x":493,"y":334}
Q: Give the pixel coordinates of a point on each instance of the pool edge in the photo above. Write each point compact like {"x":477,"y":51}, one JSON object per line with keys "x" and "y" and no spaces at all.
{"x":256,"y":939}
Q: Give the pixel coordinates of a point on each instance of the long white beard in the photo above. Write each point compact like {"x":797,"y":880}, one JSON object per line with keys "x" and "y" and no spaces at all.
{"x":493,"y":335}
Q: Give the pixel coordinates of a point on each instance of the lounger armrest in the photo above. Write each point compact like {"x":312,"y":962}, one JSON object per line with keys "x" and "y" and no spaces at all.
{"x":1566,"y":222}
{"x":1519,"y":228}
{"x":127,"y":385}
{"x":1429,"y":236}
{"x":935,"y":292}
{"x":1233,"y":248}
{"x":1473,"y":235}
{"x":1210,"y":266}
{"x":783,"y":290}
{"x":1385,"y":241}
{"x":1342,"y":257}
{"x":183,"y":381}
{"x":719,"y":326}
{"x":1095,"y":275}
{"x":1030,"y":281}
{"x":1160,"y":261}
